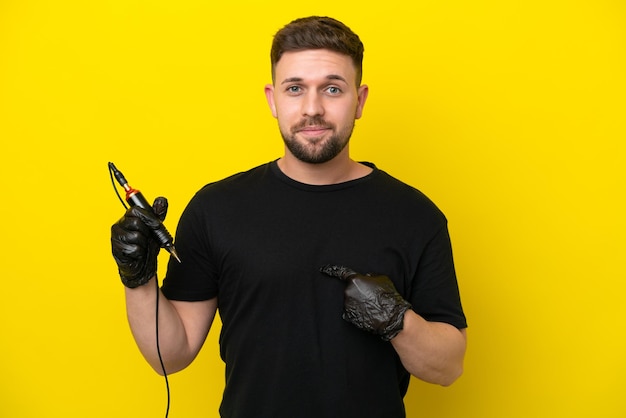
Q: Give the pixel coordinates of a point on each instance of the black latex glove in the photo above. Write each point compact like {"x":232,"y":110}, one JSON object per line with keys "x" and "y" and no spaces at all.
{"x":134,"y":245}
{"x":371,"y":302}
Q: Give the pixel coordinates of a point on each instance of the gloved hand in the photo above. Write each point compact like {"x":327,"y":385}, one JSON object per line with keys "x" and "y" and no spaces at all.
{"x":371,"y":302}
{"x":134,"y":245}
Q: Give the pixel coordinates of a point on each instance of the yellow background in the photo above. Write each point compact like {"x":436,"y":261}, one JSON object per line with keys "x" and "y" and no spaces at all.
{"x":509,"y":115}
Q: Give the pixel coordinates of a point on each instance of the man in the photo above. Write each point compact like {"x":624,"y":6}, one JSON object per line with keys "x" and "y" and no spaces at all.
{"x":267,"y":246}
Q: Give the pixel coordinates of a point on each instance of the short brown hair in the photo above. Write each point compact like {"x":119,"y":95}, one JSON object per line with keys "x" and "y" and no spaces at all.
{"x":318,"y":32}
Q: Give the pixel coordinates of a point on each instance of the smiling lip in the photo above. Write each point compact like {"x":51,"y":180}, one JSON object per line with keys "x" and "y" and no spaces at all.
{"x":313,"y":130}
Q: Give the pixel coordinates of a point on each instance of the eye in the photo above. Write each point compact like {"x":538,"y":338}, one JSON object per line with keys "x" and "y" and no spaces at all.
{"x":294,"y":89}
{"x":333,"y":90}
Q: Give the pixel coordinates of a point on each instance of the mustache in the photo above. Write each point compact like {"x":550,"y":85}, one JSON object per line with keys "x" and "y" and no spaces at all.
{"x":312,"y":121}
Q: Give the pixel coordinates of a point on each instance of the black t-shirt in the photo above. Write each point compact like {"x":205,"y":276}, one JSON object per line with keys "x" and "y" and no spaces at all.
{"x":257,"y":240}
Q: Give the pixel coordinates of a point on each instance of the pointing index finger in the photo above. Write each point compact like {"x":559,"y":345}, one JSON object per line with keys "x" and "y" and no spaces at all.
{"x":340,"y":272}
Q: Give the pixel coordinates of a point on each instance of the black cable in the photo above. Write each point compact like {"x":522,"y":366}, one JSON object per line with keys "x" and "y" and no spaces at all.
{"x":158,"y":346}
{"x":115,"y":188}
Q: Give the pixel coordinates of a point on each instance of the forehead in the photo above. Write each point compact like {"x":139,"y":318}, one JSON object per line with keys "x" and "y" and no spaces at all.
{"x":313,"y":64}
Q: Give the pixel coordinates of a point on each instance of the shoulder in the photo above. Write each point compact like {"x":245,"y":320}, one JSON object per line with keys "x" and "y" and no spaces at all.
{"x":403,"y":195}
{"x":235,"y":183}
{"x":242,"y":178}
{"x":230,"y":192}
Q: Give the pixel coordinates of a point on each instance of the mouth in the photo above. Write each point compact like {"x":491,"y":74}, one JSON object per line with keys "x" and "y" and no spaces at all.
{"x":313,"y":130}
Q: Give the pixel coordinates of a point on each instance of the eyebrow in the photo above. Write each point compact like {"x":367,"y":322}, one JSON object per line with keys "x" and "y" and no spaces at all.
{"x":299,"y":79}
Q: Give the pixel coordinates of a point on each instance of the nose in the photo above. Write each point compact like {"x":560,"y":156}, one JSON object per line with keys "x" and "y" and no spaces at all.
{"x":312,"y":104}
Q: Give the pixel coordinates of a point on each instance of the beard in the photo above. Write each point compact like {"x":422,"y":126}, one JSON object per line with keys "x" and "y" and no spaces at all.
{"x":317,"y":150}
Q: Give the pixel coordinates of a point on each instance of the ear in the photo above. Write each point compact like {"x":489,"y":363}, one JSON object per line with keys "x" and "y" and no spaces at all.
{"x":363,"y":91}
{"x":269,"y":95}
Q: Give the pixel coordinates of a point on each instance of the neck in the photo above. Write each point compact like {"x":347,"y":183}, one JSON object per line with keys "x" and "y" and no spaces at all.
{"x":338,"y":170}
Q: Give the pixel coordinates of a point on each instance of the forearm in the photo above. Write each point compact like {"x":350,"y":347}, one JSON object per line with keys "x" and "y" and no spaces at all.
{"x":173,"y":343}
{"x":431,"y":351}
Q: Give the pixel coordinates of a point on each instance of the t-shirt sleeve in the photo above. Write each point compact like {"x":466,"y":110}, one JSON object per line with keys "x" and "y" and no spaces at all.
{"x":195,"y":278}
{"x":435,"y":293}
